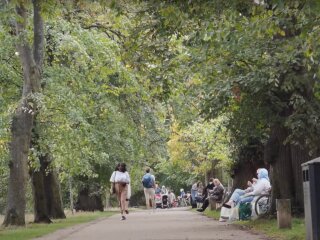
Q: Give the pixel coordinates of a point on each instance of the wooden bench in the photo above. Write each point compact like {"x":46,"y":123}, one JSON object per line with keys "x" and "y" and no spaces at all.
{"x":214,"y":204}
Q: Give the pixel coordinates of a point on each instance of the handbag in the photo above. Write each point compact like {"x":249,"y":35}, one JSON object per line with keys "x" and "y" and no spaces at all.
{"x":225,"y":213}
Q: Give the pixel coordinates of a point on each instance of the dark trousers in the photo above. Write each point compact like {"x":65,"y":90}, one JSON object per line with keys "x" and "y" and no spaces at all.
{"x":205,"y":204}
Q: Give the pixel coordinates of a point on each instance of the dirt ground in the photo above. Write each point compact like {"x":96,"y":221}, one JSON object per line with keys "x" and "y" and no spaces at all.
{"x":160,"y":224}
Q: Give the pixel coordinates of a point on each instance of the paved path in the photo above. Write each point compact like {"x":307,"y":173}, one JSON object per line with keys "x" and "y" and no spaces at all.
{"x":161,"y":224}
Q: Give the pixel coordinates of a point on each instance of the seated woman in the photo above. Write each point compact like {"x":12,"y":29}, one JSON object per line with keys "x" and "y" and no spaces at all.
{"x":236,"y":195}
{"x":261,"y":187}
{"x":216,"y":193}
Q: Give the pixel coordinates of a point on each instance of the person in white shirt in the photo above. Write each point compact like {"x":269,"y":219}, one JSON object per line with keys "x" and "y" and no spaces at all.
{"x":261,"y":187}
{"x":121,"y":179}
{"x":238,"y":193}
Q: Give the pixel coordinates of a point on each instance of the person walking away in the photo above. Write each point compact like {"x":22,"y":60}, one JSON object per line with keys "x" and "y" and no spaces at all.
{"x":121,"y":179}
{"x":148,"y":182}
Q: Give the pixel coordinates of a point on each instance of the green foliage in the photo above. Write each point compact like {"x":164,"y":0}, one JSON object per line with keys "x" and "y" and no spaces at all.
{"x":179,"y":86}
{"x":92,"y":111}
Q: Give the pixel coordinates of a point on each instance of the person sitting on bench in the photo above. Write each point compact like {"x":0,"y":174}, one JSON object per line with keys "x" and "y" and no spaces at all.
{"x":236,"y":195}
{"x":261,"y":187}
{"x":216,"y":193}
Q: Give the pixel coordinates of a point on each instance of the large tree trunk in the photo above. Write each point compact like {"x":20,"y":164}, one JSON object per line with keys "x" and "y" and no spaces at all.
{"x":279,"y":156}
{"x":250,"y":159}
{"x":242,"y":174}
{"x":298,"y":156}
{"x":53,"y":194}
{"x":16,"y":200}
{"x":46,"y":192}
{"x":22,"y":123}
{"x":286,"y":173}
{"x":39,"y":195}
{"x":50,"y":197}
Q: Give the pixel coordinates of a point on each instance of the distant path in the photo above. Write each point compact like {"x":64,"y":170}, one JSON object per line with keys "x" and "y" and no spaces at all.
{"x":161,"y":224}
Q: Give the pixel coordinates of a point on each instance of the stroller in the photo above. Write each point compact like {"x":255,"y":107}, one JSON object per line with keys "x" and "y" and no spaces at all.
{"x":165,"y":201}
{"x":158,"y":200}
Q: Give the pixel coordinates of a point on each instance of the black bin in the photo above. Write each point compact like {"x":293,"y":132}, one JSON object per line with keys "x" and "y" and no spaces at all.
{"x":311,"y":192}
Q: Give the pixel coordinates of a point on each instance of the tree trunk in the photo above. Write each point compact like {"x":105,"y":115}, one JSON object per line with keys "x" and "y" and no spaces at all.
{"x":242,"y":174}
{"x":53,"y":194}
{"x":22,"y":122}
{"x":250,"y":159}
{"x":51,"y":188}
{"x":298,"y":156}
{"x":19,"y":147}
{"x":39,"y":195}
{"x":46,"y":192}
{"x":279,"y":156}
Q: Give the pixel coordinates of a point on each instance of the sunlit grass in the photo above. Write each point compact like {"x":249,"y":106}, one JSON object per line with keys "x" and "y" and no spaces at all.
{"x":32,"y":230}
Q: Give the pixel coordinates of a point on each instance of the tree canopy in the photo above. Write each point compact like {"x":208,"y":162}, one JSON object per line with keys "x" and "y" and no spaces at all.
{"x":186,"y":87}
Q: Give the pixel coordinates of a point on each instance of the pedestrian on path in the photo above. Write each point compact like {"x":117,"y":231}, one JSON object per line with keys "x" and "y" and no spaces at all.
{"x":121,"y":179}
{"x":148,"y":182}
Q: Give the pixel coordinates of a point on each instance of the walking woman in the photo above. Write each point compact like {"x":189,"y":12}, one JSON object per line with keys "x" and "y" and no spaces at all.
{"x":121,"y":179}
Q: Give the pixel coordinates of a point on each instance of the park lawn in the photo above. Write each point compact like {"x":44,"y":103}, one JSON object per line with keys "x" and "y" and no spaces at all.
{"x":269,"y":227}
{"x":212,"y":214}
{"x":32,"y":230}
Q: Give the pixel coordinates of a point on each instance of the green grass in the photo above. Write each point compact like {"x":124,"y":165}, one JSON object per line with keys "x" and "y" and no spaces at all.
{"x":215,"y":214}
{"x":269,"y":227}
{"x":31,"y":230}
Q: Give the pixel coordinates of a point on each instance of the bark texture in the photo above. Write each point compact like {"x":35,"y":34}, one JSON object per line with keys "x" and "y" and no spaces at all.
{"x":22,"y":122}
{"x":39,"y":196}
{"x":286,"y":173}
{"x":250,"y":159}
{"x":46,"y":192}
{"x":53,"y":194}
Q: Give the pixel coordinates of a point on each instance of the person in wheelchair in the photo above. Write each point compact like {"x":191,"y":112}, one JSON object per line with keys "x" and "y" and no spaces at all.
{"x":236,"y":195}
{"x":261,"y":187}
{"x":216,"y":193}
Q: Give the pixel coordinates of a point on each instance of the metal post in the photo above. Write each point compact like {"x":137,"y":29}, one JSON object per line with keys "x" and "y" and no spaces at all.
{"x":311,"y":192}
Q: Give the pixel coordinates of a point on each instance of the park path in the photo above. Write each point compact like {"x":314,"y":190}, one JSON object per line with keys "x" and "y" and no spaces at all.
{"x":160,"y":224}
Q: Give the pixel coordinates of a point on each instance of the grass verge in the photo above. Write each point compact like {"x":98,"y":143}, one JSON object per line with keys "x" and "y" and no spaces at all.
{"x":32,"y":230}
{"x":269,"y":227}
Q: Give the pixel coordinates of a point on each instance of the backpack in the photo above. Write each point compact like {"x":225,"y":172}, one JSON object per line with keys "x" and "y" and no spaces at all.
{"x":147,"y":181}
{"x":245,"y":211}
